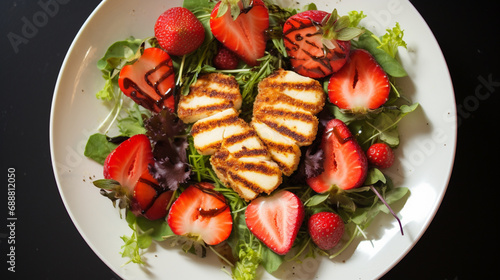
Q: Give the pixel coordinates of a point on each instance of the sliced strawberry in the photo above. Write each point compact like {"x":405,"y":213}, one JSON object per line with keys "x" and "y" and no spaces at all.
{"x":150,"y":80}
{"x":275,"y":220}
{"x":360,"y":85}
{"x":245,"y":34}
{"x":128,"y":161}
{"x":316,"y":44}
{"x":201,"y":213}
{"x":152,"y":199}
{"x":128,"y":164}
{"x":345,"y":164}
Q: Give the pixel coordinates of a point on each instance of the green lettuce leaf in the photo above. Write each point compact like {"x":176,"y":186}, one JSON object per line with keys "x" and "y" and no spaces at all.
{"x":98,"y":147}
{"x":390,"y":64}
{"x":133,"y":123}
{"x":392,"y":40}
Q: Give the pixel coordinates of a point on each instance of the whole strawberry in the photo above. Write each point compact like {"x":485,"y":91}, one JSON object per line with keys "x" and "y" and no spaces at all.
{"x":380,"y":155}
{"x":225,"y":59}
{"x":326,"y":229}
{"x":178,"y":31}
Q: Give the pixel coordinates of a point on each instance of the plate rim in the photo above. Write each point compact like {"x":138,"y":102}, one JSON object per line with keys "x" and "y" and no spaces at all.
{"x":402,"y":254}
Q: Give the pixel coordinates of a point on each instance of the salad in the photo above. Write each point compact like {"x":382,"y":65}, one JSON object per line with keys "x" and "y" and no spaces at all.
{"x":312,"y":95}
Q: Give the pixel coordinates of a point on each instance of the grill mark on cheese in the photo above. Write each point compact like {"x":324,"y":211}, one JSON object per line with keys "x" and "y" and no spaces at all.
{"x":281,"y":86}
{"x":238,"y":138}
{"x":231,"y":169}
{"x":203,"y":126}
{"x":267,"y":98}
{"x":248,"y":184}
{"x":220,"y":91}
{"x":251,"y":153}
{"x":283,"y":130}
{"x":270,"y":112}
{"x":279,"y":147}
{"x":204,"y":109}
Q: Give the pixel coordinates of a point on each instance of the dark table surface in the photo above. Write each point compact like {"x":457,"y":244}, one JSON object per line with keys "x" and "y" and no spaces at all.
{"x":461,"y":242}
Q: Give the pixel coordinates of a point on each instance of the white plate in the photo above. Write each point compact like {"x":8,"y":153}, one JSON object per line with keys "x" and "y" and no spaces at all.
{"x":424,"y":160}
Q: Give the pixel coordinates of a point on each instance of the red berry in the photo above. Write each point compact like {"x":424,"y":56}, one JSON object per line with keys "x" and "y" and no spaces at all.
{"x":380,"y":155}
{"x":225,"y":59}
{"x":275,"y":220}
{"x":128,"y":164}
{"x":245,"y":34}
{"x":303,"y":36}
{"x":326,"y":229}
{"x":179,"y":31}
{"x":345,"y":164}
{"x":201,"y":213}
{"x":157,"y":66}
{"x":360,"y":85}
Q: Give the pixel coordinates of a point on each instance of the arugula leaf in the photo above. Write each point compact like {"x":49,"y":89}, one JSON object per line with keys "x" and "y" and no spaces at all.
{"x":377,"y":125}
{"x":385,"y":125}
{"x":156,"y":229}
{"x":98,"y":147}
{"x":362,"y":217}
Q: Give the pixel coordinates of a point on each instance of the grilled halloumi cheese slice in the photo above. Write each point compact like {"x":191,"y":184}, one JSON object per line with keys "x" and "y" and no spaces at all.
{"x":248,"y":176}
{"x":208,"y":133}
{"x":239,"y":158}
{"x":210,"y":94}
{"x":287,"y":87}
{"x":284,"y":115}
{"x":284,"y":151}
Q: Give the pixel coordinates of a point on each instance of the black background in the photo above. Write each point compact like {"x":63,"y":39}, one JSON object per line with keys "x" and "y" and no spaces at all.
{"x":461,"y":242}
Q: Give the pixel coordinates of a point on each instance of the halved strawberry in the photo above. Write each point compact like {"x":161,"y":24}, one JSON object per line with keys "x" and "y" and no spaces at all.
{"x":150,"y":80}
{"x":152,"y":200}
{"x":128,"y":164}
{"x":275,"y":220}
{"x":201,"y":213}
{"x":317,"y":42}
{"x":243,"y":32}
{"x":360,"y":85}
{"x":345,"y":164}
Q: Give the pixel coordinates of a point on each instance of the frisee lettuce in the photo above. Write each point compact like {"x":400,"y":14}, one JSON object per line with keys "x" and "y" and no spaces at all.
{"x":391,"y":40}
